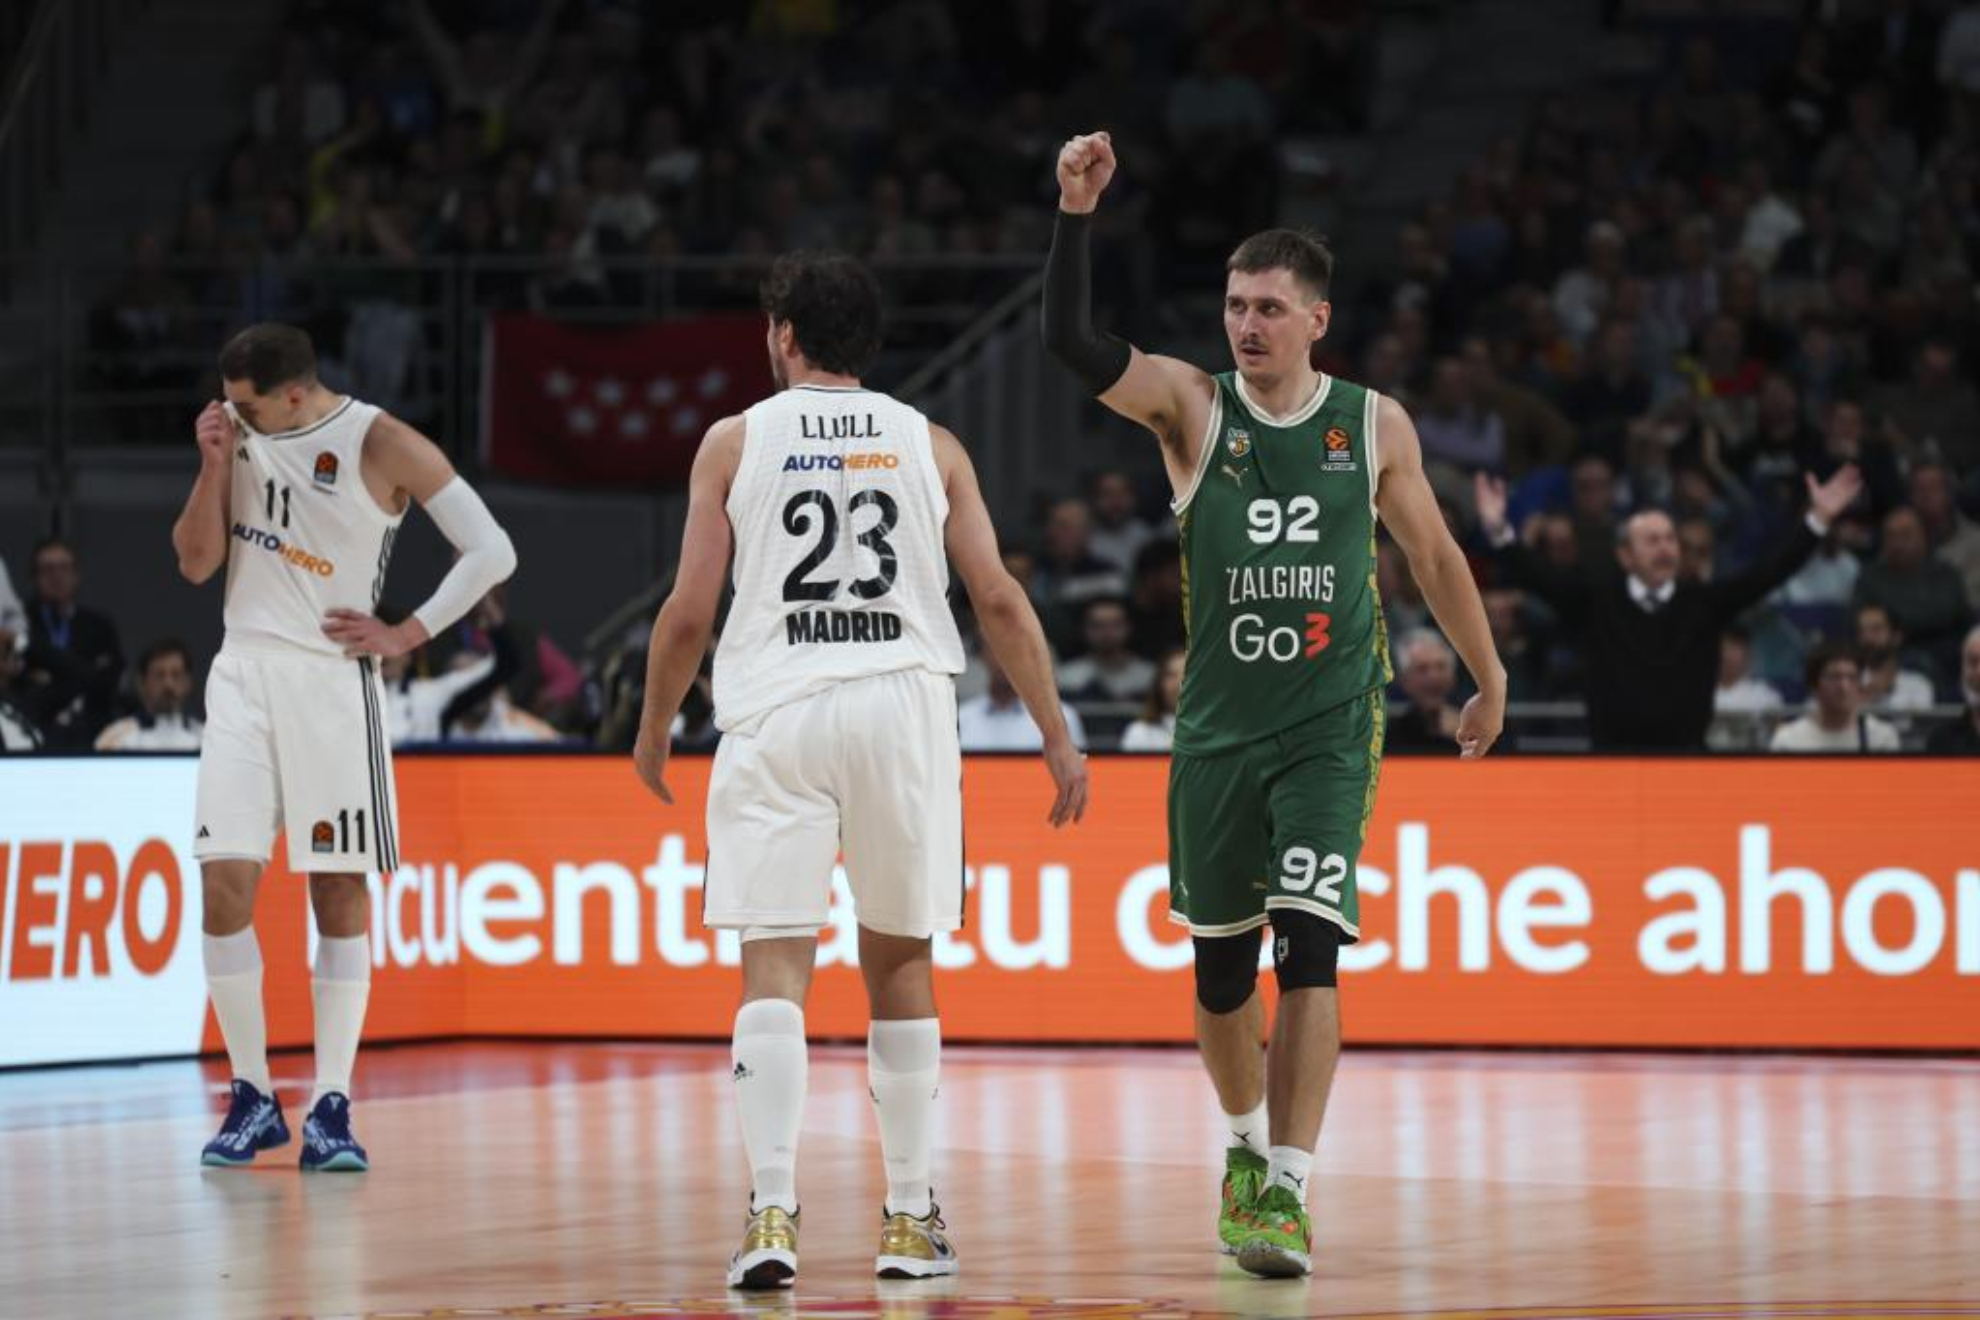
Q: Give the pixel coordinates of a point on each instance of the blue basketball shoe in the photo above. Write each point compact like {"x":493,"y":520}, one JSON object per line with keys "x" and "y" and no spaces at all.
{"x":254,"y":1123}
{"x":328,"y":1146}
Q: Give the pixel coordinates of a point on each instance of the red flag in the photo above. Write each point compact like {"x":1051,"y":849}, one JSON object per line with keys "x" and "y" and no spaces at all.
{"x":610,"y":404}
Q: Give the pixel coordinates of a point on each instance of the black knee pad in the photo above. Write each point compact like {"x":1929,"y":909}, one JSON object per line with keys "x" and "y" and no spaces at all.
{"x":1306,"y":950}
{"x":1226,"y":970}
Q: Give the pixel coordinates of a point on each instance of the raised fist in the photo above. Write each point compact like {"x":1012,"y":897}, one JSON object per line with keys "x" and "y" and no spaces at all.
{"x":1086,"y":167}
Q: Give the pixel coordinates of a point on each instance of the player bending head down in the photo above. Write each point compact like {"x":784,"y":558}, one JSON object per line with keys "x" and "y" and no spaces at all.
{"x":300,"y":496}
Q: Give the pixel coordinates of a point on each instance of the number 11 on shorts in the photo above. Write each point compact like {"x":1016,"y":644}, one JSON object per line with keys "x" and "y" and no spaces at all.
{"x":345,"y":819}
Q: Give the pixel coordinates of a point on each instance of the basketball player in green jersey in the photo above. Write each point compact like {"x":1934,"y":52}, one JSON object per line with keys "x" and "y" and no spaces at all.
{"x":1280,"y":473}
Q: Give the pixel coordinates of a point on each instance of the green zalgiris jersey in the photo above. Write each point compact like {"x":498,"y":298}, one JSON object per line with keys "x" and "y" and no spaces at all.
{"x":1278,"y":562}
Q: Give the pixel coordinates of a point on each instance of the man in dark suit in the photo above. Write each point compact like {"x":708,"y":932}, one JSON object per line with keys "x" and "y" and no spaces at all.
{"x":1651,"y":641}
{"x":74,"y":660}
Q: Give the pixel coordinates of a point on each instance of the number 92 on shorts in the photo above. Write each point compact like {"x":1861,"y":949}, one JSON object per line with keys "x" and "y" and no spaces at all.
{"x":1277,"y":823}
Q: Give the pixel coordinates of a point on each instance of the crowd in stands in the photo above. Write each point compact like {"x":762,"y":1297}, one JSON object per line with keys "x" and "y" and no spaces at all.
{"x":1679,"y":297}
{"x":1687,"y":296}
{"x":554,"y":142}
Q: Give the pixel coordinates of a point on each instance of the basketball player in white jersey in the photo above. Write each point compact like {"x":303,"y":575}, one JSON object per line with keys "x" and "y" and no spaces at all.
{"x":300,"y":494}
{"x":835,"y":693}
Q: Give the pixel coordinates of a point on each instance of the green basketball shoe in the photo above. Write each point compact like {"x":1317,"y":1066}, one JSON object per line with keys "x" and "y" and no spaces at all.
{"x":1279,"y":1243}
{"x":1244,"y":1179}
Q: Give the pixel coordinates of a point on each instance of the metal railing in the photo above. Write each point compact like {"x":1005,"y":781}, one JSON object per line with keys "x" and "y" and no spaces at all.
{"x":103,"y":354}
{"x":46,"y":99}
{"x":1562,"y":726}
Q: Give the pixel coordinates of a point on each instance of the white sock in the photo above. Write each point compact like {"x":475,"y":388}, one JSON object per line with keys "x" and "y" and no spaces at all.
{"x":233,"y":982}
{"x":769,"y":1058}
{"x":903,"y":1069}
{"x":1289,"y":1167}
{"x":1253,"y":1130}
{"x":340,"y":988}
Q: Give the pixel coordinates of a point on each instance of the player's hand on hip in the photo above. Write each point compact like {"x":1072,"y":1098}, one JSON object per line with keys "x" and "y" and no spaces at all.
{"x":215,"y":433}
{"x":1479,"y":726}
{"x":650,"y":760}
{"x":363,"y":634}
{"x":1068,"y":766}
{"x":1086,"y":167}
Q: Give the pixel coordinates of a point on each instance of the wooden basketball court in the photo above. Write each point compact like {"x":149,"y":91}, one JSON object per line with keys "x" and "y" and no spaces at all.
{"x":608,"y":1180}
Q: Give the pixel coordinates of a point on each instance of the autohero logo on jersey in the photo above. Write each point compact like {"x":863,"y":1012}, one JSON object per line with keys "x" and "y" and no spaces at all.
{"x":1252,"y":638}
{"x":840,"y":462}
{"x":296,"y":556}
{"x":1337,"y":451}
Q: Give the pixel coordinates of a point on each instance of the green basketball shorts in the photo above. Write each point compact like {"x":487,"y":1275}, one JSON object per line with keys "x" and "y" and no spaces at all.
{"x":1277,"y":824}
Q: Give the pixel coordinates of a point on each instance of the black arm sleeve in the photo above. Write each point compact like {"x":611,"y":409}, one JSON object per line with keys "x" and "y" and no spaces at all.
{"x":1566,"y":591}
{"x":1098,"y":360}
{"x":1731,"y":596}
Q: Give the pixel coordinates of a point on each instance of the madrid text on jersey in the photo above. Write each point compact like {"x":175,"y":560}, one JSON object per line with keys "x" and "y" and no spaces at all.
{"x":295,"y":555}
{"x":841,"y":626}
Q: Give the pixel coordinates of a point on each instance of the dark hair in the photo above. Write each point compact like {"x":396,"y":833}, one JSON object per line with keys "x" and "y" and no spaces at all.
{"x":1303,"y":253}
{"x":269,"y":356}
{"x":47,"y":543}
{"x":1821,"y":656}
{"x":158,"y":650}
{"x":832,"y":304}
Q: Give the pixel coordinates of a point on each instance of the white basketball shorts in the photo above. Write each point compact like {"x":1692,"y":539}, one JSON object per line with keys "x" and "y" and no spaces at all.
{"x":297,"y":738}
{"x":871,"y":768}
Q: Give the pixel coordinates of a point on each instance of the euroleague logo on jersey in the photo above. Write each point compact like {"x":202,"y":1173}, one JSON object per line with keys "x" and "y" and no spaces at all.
{"x":326,"y":469}
{"x":1337,"y":452}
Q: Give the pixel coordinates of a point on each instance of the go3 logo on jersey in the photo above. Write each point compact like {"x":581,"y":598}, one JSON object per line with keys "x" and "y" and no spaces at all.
{"x":1252,"y":640}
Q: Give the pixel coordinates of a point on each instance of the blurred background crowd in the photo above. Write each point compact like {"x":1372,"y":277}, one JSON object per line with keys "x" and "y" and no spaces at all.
{"x":1683,"y":292}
